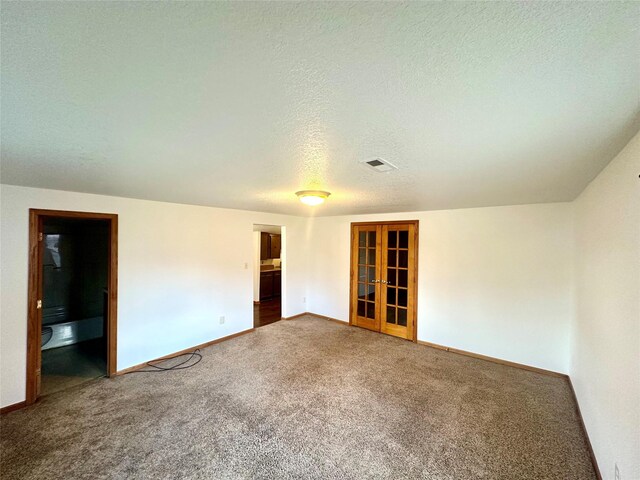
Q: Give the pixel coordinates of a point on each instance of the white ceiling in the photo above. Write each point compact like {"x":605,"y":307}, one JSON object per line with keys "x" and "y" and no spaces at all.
{"x":242,"y":104}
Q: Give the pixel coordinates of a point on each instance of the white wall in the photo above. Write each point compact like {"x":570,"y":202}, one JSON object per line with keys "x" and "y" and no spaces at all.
{"x":495,"y":281}
{"x":605,"y":340}
{"x":181,"y":267}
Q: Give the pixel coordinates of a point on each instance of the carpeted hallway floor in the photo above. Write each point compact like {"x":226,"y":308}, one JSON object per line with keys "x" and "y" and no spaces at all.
{"x":305,"y":399}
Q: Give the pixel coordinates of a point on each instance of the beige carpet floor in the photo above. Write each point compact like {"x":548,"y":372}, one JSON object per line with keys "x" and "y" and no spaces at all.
{"x":306,"y":398}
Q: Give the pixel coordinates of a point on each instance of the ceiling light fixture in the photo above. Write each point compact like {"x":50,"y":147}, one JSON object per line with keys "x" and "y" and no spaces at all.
{"x":312,"y":197}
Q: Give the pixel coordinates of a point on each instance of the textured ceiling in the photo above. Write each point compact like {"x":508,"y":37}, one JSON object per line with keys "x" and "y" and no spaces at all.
{"x":242,"y":104}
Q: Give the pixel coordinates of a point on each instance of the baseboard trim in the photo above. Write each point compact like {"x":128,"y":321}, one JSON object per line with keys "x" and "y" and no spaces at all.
{"x":12,"y":407}
{"x":293,"y":317}
{"x":341,"y":322}
{"x":186,"y":350}
{"x":493,"y":359}
{"x":323,"y":317}
{"x":584,"y":429}
{"x":449,"y":349}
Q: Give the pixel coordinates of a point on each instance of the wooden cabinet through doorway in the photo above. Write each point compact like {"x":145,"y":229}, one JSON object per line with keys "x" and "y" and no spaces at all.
{"x":270,"y":245}
{"x":270,"y":284}
{"x":275,"y":246}
{"x":384,"y":267}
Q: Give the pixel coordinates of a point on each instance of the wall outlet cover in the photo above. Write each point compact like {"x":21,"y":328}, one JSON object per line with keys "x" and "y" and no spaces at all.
{"x":221,"y":320}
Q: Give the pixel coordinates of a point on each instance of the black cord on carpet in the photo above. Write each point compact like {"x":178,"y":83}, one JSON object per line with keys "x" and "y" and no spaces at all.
{"x":180,"y":366}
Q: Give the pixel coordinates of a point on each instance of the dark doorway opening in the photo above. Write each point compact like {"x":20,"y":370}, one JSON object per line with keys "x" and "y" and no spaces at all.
{"x":72,"y":300}
{"x":266,"y":312}
{"x":267,"y":294}
{"x":75,"y":259}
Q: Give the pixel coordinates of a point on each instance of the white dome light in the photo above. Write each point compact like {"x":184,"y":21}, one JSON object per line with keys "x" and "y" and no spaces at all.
{"x":312,"y":197}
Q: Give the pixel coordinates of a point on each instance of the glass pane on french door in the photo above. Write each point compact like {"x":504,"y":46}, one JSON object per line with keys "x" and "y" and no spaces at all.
{"x":367,"y":274}
{"x":397,"y":279}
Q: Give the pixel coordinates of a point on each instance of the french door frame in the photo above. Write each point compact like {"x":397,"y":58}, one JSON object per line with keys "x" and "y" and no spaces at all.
{"x":34,"y":315}
{"x":379,"y":254}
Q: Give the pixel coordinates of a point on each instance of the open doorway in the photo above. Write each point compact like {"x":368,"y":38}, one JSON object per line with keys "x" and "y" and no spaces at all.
{"x":267,"y":283}
{"x":72,"y":299}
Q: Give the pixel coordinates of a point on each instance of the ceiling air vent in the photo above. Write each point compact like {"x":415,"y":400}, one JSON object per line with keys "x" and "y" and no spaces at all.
{"x":379,"y":165}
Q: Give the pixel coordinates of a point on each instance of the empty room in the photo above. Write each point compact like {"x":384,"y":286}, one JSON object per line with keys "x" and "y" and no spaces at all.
{"x":323,"y":240}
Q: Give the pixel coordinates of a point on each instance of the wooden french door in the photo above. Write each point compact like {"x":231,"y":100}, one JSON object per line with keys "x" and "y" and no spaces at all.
{"x":384,"y":261}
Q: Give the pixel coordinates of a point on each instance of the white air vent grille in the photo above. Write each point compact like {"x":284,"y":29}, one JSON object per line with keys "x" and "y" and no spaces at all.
{"x":379,"y":165}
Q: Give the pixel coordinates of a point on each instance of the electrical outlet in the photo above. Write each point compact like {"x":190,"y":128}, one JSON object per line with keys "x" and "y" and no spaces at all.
{"x":304,"y":299}
{"x":617,"y":474}
{"x":221,"y":320}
